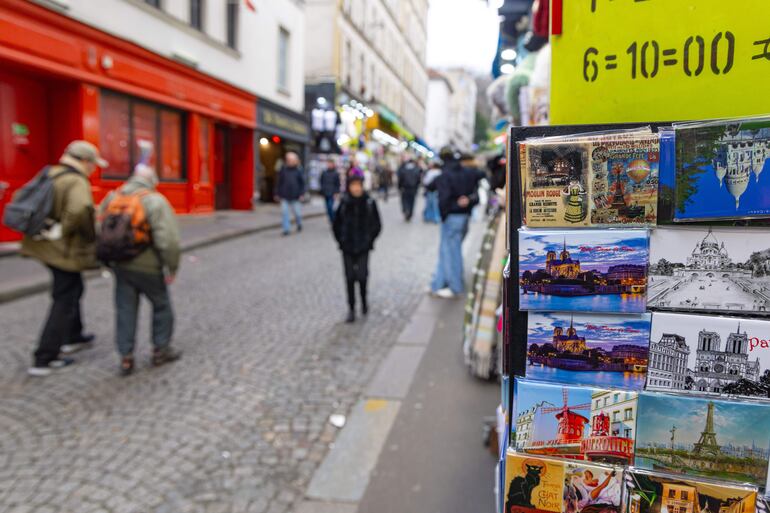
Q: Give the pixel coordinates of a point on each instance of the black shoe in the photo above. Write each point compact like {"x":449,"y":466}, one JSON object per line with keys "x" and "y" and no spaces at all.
{"x":285,"y":234}
{"x":351,"y":318}
{"x":364,"y":308}
{"x":164,"y":356}
{"x":126,"y":365}
{"x":82,"y":341}
{"x":83,"y":338}
{"x":46,"y":369}
{"x":299,"y":228}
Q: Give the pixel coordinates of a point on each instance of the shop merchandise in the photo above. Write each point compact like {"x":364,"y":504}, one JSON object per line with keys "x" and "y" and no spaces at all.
{"x":721,"y":170}
{"x":727,"y":440}
{"x":709,"y":268}
{"x":601,"y":180}
{"x":708,"y":354}
{"x":583,"y":270}
{"x":654,"y":492}
{"x":582,"y":423}
{"x":538,"y":484}
{"x":589,"y":349}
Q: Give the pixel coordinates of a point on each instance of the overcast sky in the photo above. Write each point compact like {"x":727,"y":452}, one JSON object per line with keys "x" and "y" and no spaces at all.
{"x":462,"y":33}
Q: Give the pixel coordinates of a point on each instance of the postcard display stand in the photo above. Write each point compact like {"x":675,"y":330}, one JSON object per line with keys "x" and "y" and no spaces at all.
{"x":636,"y":365}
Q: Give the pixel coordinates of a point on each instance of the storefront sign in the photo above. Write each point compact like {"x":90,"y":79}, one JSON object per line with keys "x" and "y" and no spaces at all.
{"x":289,"y":125}
{"x":646,"y":60}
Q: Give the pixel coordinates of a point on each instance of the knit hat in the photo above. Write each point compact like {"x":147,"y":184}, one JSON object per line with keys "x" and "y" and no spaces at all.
{"x":355,"y":175}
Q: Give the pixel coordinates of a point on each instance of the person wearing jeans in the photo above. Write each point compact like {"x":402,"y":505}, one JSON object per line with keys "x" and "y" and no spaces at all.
{"x":148,"y":274}
{"x":457,"y":194}
{"x":291,"y":190}
{"x":330,"y":187}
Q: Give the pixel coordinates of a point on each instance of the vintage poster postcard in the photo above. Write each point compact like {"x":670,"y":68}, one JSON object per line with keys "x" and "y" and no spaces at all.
{"x":588,"y":349}
{"x":701,"y":436}
{"x":624,"y":180}
{"x":722,"y":170}
{"x":654,"y":492}
{"x":580,"y":423}
{"x":592,"y":488}
{"x":714,"y":269}
{"x":533,"y":485}
{"x":583,"y":270}
{"x":707,"y":354}
{"x":556,"y":183}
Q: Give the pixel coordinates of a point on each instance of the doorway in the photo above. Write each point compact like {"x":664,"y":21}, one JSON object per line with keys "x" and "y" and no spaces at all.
{"x":223,"y":188}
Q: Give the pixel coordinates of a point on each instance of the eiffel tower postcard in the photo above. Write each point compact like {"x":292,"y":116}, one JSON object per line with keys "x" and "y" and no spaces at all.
{"x":698,"y":436}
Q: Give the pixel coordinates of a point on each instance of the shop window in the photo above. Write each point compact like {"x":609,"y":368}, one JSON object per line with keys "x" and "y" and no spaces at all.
{"x":115,"y":136}
{"x":125,"y":121}
{"x":196,"y":14}
{"x":232,"y":23}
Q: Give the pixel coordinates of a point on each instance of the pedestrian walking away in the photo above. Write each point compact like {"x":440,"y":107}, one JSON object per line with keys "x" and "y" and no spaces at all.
{"x":431,"y":212}
{"x":384,"y":179}
{"x":64,"y":242}
{"x":330,"y":187}
{"x":291,"y":191}
{"x":139,"y":239}
{"x":356,"y":226}
{"x":457,"y":195}
{"x":408,"y":176}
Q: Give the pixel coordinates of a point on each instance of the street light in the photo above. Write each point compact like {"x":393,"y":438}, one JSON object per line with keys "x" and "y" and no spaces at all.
{"x":507,"y":68}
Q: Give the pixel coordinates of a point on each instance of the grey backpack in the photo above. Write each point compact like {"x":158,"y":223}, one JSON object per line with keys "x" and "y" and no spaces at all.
{"x":31,"y":205}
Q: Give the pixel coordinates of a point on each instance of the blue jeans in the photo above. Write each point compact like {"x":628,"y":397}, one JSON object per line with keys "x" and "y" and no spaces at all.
{"x":431,"y":213}
{"x":295,"y":207}
{"x":330,"y":207}
{"x":449,"y":270}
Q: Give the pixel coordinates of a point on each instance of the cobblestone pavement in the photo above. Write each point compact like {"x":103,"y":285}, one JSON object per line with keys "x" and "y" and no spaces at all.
{"x":240,"y":423}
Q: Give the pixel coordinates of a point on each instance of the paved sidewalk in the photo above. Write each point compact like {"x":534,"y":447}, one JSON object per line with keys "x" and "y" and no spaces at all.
{"x":21,"y":277}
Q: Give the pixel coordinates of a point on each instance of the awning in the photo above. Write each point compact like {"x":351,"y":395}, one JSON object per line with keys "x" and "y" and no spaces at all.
{"x":391,"y":121}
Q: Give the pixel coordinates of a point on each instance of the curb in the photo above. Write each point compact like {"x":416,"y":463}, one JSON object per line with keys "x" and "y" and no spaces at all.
{"x":44,"y":285}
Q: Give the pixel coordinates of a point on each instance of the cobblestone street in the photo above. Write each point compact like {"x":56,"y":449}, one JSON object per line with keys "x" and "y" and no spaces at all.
{"x":241,"y":422}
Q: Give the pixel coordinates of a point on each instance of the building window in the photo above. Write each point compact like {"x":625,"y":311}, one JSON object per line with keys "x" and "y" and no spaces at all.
{"x":627,"y":433}
{"x":283,"y":59}
{"x":154,"y":3}
{"x":125,"y":121}
{"x":196,"y":14}
{"x":627,"y":414}
{"x":685,"y":495}
{"x":616,"y":398}
{"x":616,"y":416}
{"x":671,"y":493}
{"x":232,"y":23}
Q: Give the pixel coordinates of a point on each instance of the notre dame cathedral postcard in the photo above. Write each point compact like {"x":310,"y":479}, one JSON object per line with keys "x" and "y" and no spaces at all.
{"x":709,"y":355}
{"x":728,"y":440}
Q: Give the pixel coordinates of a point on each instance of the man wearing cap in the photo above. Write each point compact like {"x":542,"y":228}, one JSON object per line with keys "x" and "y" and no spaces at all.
{"x":67,"y":249}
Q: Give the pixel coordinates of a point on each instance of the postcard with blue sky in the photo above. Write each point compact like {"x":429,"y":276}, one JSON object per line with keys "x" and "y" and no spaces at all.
{"x":589,"y":349}
{"x":720,"y":439}
{"x":583,"y":270}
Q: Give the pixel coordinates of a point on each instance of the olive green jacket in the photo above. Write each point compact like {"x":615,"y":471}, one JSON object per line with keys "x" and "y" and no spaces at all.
{"x":164,"y":253}
{"x":73,"y":208}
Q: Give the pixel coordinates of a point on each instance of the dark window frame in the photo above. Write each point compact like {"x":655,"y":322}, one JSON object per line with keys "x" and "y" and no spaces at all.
{"x":158,"y":147}
{"x":197,"y":14}
{"x":232,"y":15}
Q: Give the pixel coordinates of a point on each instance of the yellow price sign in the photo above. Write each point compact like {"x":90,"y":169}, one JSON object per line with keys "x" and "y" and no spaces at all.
{"x":660,"y":60}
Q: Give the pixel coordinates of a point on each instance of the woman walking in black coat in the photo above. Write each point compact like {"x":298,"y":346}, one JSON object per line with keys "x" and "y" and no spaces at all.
{"x":356,"y":226}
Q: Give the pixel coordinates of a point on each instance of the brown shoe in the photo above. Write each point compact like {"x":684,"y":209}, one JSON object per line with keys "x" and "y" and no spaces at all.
{"x":127,"y":365}
{"x":164,"y":356}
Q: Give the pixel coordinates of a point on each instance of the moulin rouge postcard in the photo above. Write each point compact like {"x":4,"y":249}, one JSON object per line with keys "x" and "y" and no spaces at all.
{"x":709,"y":355}
{"x":727,"y":440}
{"x":583,"y":271}
{"x":588,"y":349}
{"x":580,"y":423}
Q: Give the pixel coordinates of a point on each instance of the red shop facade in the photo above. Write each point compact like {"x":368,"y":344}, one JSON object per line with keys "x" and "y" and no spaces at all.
{"x":61,"y":80}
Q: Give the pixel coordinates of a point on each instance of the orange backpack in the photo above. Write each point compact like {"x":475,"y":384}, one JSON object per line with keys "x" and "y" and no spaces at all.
{"x":125,"y":231}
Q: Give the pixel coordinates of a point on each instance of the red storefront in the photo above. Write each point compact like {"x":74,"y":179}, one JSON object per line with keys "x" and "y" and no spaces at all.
{"x":62,"y":80}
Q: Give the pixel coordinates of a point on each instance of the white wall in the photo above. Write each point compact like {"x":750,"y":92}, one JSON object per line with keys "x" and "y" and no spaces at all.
{"x":252,"y":67}
{"x":462,"y":106}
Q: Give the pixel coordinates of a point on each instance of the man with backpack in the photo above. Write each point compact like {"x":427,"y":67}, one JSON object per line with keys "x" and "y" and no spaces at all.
{"x":55,"y":211}
{"x":409,"y":176}
{"x":139,"y":239}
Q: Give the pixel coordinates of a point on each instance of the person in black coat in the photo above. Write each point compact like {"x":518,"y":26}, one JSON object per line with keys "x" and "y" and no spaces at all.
{"x":409,"y":177}
{"x":291,"y":191}
{"x":356,"y":226}
{"x":330,"y":187}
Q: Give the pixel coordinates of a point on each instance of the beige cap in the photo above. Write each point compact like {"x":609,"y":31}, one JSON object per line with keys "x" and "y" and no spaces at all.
{"x":84,"y":150}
